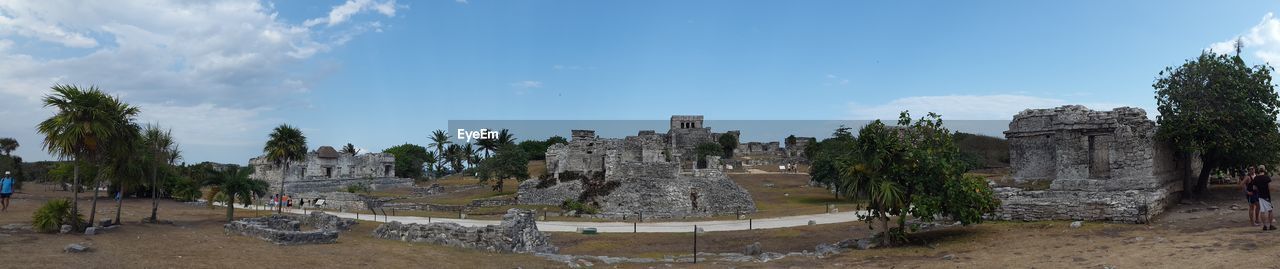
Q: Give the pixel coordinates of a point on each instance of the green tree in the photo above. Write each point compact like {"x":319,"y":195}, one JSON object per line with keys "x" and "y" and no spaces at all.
{"x":8,"y":145}
{"x":439,"y":140}
{"x":728,"y":142}
{"x":233,"y":182}
{"x":162,"y":151}
{"x":126,"y":167}
{"x":119,"y":154}
{"x":285,"y":144}
{"x":350,"y":149}
{"x":1220,"y":108}
{"x":828,"y":156}
{"x":536,"y":150}
{"x":510,"y":161}
{"x":409,"y":159}
{"x":555,"y":139}
{"x":911,"y":170}
{"x":85,"y":122}
{"x":489,"y":145}
{"x":429,"y":163}
{"x":707,"y":149}
{"x":455,"y":156}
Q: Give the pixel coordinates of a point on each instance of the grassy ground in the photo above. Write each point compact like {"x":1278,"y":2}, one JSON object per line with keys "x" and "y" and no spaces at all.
{"x":657,"y":245}
{"x":787,"y":195}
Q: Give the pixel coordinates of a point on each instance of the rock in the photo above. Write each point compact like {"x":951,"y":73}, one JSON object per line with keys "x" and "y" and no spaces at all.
{"x":16,"y":226}
{"x":75,"y":248}
{"x":66,"y":228}
{"x":769,"y":256}
{"x":1213,"y":208}
{"x":949,"y":257}
{"x":752,"y":249}
{"x":517,"y":232}
{"x":865,"y":244}
{"x":112,"y":227}
{"x":823,"y":250}
{"x":105,"y":223}
{"x":91,"y":231}
{"x":811,"y":222}
{"x":1076,"y":224}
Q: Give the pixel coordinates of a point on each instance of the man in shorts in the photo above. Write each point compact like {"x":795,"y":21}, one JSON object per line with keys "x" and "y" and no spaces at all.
{"x":6,"y":190}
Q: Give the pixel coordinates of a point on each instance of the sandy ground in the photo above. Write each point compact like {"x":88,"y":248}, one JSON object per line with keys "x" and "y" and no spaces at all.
{"x":1208,"y":234}
{"x":196,"y":240}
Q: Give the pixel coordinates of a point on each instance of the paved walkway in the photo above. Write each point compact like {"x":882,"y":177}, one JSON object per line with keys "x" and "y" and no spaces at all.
{"x":623,"y":227}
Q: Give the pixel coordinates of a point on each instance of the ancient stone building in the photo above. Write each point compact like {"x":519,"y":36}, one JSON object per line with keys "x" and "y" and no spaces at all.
{"x":1074,"y":163}
{"x":651,"y":174}
{"x":325,"y":169}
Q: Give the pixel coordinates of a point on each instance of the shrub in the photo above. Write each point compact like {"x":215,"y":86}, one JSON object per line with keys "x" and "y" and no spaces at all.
{"x":355,"y":188}
{"x":50,"y":217}
{"x":577,"y":206}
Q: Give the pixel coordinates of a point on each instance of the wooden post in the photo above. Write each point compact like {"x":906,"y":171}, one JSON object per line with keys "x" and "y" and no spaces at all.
{"x":695,"y":244}
{"x":750,"y":224}
{"x":633,"y":227}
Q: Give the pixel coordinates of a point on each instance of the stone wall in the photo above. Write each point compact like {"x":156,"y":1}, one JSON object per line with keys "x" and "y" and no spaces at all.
{"x":287,"y":229}
{"x":330,"y":166}
{"x":517,"y":233}
{"x":337,"y":185}
{"x":1098,"y":165}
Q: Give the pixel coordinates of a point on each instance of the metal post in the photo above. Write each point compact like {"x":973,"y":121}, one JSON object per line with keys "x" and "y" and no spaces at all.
{"x":633,"y":227}
{"x":695,"y":244}
{"x":750,"y":225}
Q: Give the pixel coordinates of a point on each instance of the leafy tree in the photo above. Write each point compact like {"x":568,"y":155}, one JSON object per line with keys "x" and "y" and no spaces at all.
{"x":707,"y":149}
{"x":1220,"y":108}
{"x":126,"y":167}
{"x":8,"y":145}
{"x":86,"y":124}
{"x":234,"y":182}
{"x":536,"y":150}
{"x":409,"y":159}
{"x":455,"y":156}
{"x":911,"y":170}
{"x":555,"y":139}
{"x":728,"y":143}
{"x":830,"y":154}
{"x":429,"y":163}
{"x":285,"y":144}
{"x":504,"y":137}
{"x":350,"y":149}
{"x":510,"y":162}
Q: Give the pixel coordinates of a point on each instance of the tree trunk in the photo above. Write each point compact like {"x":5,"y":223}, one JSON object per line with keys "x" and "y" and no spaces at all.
{"x":1188,"y":182}
{"x":231,"y":206}
{"x":93,"y":209}
{"x":75,"y":194}
{"x":280,"y":202}
{"x":155,"y":204}
{"x":119,"y":203}
{"x":1202,"y":182}
{"x":885,"y":239}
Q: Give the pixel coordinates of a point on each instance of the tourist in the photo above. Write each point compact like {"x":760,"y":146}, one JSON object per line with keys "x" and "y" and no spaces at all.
{"x":1246,"y":179}
{"x":1262,"y":187}
{"x":6,"y":190}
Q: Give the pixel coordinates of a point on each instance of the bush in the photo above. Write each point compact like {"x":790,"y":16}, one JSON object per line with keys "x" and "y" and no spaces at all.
{"x":572,"y":205}
{"x":357,"y":188}
{"x":50,"y":217}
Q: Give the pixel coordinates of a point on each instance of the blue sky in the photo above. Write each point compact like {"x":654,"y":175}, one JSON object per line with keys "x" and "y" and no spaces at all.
{"x":378,"y":73}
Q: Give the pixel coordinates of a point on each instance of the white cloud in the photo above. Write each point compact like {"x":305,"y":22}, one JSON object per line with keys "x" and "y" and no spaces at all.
{"x":834,"y":80}
{"x":964,"y":107}
{"x":341,"y":13}
{"x":526,"y":84}
{"x":462,"y":1}
{"x":209,"y":69}
{"x":1262,"y":40}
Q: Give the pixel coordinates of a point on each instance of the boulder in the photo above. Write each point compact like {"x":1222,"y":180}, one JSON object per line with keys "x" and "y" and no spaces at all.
{"x":1076,"y":224}
{"x":752,"y":249}
{"x":865,"y":244}
{"x":66,"y":228}
{"x":75,"y":248}
{"x":823,"y":250}
{"x":91,"y":231}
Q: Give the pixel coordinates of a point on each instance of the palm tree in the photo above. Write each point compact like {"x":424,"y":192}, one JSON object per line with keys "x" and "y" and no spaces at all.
{"x":350,"y":149}
{"x":455,"y":155}
{"x":126,"y":168}
{"x":84,"y":121}
{"x":8,"y":145}
{"x":439,"y":139}
{"x":430,"y":160}
{"x":234,"y":182}
{"x":161,"y":147}
{"x":119,"y":151}
{"x":492,"y":144}
{"x":286,"y":144}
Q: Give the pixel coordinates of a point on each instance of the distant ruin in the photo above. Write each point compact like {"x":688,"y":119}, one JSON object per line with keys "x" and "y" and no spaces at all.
{"x":1072,"y":163}
{"x":651,"y":174}
{"x":327,"y":170}
{"x":287,"y":229}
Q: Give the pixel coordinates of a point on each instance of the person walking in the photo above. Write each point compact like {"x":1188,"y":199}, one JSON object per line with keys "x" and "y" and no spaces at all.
{"x":6,"y":191}
{"x":1262,"y":187}
{"x":1246,"y":182}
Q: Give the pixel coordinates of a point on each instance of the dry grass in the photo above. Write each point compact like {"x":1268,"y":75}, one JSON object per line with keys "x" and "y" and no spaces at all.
{"x":789,"y":195}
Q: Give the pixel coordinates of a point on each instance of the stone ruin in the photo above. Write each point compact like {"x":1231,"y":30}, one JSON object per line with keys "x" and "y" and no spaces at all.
{"x":327,"y":170}
{"x":750,"y":154}
{"x":287,"y":229}
{"x":650,"y":175}
{"x":518,"y":233}
{"x":1072,"y":163}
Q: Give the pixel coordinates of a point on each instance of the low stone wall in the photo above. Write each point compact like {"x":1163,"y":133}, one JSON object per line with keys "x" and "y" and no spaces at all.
{"x":423,"y":207}
{"x":337,"y":200}
{"x":518,"y":233}
{"x":287,"y":229}
{"x":334,"y":185}
{"x":491,"y":202}
{"x":1130,"y":206}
